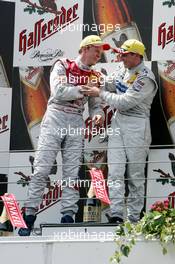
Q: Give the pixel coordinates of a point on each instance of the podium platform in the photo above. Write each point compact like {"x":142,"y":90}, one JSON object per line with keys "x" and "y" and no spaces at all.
{"x":78,"y":243}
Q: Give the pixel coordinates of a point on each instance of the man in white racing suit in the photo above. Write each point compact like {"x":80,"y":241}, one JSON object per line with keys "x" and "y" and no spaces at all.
{"x":61,"y":129}
{"x":131,"y":93}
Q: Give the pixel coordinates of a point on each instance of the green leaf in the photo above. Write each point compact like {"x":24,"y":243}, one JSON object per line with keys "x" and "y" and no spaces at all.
{"x":157,"y":217}
{"x":125,"y":249}
{"x":116,"y":258}
{"x":133,"y":241}
{"x":120,"y":230}
{"x":172,"y":213}
{"x":164,"y":251}
{"x":128,"y":226}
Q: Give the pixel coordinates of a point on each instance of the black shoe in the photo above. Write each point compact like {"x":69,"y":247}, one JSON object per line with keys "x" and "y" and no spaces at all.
{"x":67,"y":219}
{"x":29,"y":219}
{"x":6,"y":226}
{"x":114,"y":220}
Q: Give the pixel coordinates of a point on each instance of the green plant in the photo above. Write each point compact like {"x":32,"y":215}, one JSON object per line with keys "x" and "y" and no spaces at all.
{"x":158,"y":223}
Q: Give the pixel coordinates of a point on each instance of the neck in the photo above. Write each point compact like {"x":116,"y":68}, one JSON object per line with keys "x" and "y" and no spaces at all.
{"x":84,"y":60}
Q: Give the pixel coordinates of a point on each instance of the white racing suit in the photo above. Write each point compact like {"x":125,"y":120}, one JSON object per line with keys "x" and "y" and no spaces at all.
{"x":60,"y":129}
{"x":131,"y":93}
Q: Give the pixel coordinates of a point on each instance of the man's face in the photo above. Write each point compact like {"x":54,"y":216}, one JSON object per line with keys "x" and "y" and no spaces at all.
{"x":130,"y":60}
{"x":93,"y":54}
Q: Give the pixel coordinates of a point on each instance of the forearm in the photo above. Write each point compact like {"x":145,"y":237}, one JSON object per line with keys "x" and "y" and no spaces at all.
{"x":130,"y":98}
{"x":66,"y":92}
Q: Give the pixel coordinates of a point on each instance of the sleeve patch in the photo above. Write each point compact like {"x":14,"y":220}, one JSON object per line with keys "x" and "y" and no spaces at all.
{"x":140,"y":82}
{"x":138,"y":85}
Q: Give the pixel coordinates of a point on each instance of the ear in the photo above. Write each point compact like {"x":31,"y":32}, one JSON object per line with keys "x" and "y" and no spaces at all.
{"x":84,"y":49}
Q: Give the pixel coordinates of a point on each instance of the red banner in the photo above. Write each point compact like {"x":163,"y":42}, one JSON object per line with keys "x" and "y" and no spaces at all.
{"x":99,"y":185}
{"x":13,"y":210}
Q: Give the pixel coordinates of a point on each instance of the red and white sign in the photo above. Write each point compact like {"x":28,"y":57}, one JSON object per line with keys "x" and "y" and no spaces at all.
{"x":5,"y":118}
{"x":163,"y":31}
{"x":99,"y":185}
{"x":46,"y":31}
{"x":13,"y":210}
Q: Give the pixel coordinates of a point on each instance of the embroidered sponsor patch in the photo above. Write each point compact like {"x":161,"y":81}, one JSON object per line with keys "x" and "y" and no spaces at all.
{"x":144,"y":73}
{"x":140,"y":82}
{"x":137,"y":86}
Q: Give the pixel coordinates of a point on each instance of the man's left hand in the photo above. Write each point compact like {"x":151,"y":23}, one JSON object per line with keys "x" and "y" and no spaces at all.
{"x":90,"y":90}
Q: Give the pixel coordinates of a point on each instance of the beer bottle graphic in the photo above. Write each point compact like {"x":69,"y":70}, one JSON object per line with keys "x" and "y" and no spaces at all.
{"x":34,"y":97}
{"x":118,"y":23}
{"x":92,"y":207}
{"x":92,"y":210}
{"x":166,"y":70}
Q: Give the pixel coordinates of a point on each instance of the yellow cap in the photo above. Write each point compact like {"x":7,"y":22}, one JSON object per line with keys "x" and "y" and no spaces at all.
{"x":95,"y":41}
{"x":132,"y":45}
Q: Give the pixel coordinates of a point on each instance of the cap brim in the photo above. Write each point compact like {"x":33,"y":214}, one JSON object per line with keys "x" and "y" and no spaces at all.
{"x":105,"y":46}
{"x":120,"y":51}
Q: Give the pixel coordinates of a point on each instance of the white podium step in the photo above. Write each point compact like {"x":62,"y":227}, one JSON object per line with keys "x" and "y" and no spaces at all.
{"x":47,"y":250}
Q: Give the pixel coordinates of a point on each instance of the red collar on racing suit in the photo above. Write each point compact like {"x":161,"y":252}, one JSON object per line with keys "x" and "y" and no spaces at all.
{"x":77,"y":76}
